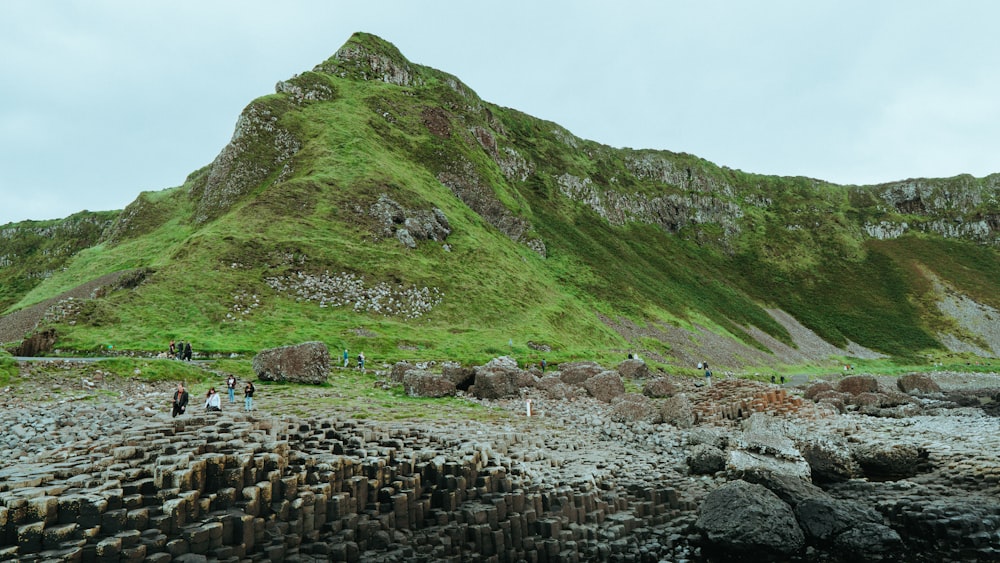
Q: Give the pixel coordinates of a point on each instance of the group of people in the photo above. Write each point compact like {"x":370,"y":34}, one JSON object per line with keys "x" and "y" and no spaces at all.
{"x":361,"y":360}
{"x":213,"y":402}
{"x":180,"y":350}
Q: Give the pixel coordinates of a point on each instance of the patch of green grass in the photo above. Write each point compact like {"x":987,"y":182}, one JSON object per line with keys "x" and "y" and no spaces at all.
{"x":8,"y":369}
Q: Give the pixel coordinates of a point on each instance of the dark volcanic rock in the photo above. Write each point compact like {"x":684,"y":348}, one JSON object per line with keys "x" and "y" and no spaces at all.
{"x":706,"y":459}
{"x":743,"y":521}
{"x":303,"y":363}
{"x":889,"y":461}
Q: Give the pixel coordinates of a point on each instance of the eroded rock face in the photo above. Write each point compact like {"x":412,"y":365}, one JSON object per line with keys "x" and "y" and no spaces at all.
{"x":889,"y":461}
{"x":500,"y":378}
{"x":303,"y":363}
{"x":422,"y":383}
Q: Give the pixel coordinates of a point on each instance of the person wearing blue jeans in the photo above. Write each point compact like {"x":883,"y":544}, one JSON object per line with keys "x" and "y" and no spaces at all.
{"x":231,"y":387}
{"x":248,"y":396}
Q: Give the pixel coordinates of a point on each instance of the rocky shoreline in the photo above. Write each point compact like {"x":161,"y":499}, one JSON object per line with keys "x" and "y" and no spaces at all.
{"x":102,"y":473}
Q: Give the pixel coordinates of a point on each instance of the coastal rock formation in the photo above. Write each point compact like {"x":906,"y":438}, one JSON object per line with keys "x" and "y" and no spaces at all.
{"x":303,"y":363}
{"x":100,"y":471}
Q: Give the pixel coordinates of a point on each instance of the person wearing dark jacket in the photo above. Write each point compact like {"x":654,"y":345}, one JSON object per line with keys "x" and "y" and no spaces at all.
{"x":248,"y":396}
{"x":180,"y":400}
{"x":187,"y":351}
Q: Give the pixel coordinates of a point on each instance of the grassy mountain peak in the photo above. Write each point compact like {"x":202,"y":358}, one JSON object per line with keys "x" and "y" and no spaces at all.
{"x":381,"y":206}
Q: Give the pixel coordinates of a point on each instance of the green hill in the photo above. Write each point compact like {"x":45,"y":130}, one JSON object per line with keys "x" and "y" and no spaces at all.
{"x":380,"y":205}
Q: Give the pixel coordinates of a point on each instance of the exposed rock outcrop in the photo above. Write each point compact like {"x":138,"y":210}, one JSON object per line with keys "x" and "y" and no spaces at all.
{"x":302,"y":363}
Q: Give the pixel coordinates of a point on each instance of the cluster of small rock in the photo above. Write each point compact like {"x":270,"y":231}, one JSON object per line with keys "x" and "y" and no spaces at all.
{"x":244,"y":303}
{"x":349,"y":290}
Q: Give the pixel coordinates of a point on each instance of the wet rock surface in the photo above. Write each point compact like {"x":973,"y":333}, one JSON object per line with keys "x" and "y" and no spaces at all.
{"x":101,"y":472}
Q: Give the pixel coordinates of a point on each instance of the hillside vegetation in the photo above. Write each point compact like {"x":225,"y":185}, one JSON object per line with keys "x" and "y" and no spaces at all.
{"x":379,"y":205}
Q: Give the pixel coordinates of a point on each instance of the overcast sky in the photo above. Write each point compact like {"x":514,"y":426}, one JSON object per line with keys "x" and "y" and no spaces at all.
{"x":100,"y":100}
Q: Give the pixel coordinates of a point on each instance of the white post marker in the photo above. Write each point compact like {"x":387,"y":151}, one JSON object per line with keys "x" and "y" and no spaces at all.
{"x":527,"y":407}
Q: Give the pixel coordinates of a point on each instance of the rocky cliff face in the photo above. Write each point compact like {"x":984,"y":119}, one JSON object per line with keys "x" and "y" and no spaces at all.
{"x":961,"y":207}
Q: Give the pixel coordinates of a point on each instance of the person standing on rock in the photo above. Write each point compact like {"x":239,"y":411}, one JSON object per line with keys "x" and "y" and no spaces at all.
{"x":231,"y":387}
{"x":248,"y":391}
{"x":708,"y":375}
{"x":180,"y":400}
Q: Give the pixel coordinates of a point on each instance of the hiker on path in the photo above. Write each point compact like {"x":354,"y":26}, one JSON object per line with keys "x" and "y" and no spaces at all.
{"x":187,"y":351}
{"x":361,"y":361}
{"x":180,"y":400}
{"x":347,"y":357}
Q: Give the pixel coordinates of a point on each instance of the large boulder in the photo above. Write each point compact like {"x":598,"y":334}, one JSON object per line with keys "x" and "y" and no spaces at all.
{"x":857,"y":384}
{"x":815,"y":389}
{"x":605,"y":386}
{"x":917,"y":383}
{"x":575,"y":373}
{"x":633,"y":407}
{"x":823,"y":518}
{"x":398,"y":370}
{"x":422,"y":383}
{"x":869,"y":541}
{"x":829,"y":460}
{"x":303,"y":363}
{"x":659,"y":388}
{"x":678,"y":411}
{"x":554,"y":388}
{"x":764,"y":447}
{"x":634,"y":369}
{"x":743,"y":521}
{"x":500,"y":378}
